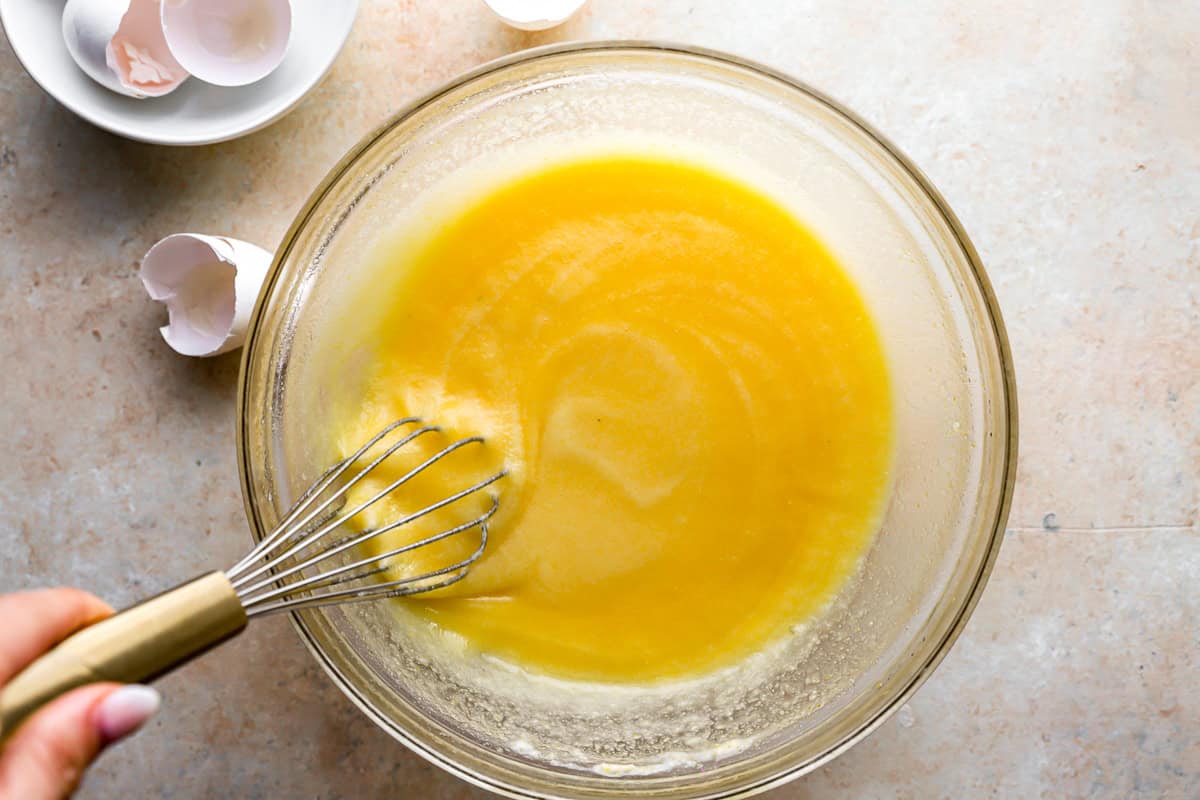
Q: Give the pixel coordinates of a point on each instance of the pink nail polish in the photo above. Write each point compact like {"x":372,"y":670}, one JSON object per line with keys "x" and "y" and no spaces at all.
{"x":125,"y":710}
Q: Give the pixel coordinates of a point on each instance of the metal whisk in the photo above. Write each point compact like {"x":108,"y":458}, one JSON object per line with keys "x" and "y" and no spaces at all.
{"x":303,"y":537}
{"x":308,"y":560}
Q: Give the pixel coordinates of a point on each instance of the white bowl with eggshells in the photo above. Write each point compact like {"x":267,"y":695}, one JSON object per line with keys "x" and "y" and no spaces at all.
{"x":195,"y":111}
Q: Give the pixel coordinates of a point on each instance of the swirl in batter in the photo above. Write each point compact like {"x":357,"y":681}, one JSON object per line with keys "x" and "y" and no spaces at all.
{"x":688,"y":390}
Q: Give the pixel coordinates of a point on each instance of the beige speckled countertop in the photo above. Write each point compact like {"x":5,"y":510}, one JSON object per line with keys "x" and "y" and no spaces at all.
{"x":1067,"y":137}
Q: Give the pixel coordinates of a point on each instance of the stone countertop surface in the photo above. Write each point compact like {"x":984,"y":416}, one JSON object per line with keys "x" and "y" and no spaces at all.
{"x":1065,"y":135}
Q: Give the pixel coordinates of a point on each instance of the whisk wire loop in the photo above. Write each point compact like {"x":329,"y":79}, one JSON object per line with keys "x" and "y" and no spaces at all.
{"x":321,"y":484}
{"x":286,"y":570}
{"x":291,"y":529}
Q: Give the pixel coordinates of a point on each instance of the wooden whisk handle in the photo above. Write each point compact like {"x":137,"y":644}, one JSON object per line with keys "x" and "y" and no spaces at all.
{"x":133,"y":646}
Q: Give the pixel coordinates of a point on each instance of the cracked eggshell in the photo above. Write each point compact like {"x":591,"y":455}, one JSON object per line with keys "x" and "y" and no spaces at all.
{"x":534,"y":15}
{"x":209,"y":285}
{"x":120,"y":45}
{"x":228,"y":42}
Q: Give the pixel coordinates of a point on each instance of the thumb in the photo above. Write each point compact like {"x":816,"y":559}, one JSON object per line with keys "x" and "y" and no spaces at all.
{"x":46,"y":756}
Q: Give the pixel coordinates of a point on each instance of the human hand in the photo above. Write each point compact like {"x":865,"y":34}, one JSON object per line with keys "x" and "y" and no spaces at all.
{"x":45,"y":757}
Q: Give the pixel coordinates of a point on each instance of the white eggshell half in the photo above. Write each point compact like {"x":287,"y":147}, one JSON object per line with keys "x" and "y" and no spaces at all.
{"x":120,"y":45}
{"x":88,"y":26}
{"x":209,"y":285}
{"x":228,"y":42}
{"x":534,"y":15}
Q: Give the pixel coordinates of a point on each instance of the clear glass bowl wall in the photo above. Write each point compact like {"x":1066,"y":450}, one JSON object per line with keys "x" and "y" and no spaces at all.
{"x":795,"y":707}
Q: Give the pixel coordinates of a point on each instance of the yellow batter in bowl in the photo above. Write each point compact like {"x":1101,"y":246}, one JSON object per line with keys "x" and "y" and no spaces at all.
{"x":688,"y":391}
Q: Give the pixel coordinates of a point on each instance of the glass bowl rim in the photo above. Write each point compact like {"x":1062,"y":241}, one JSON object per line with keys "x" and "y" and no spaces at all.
{"x":1008,"y":393}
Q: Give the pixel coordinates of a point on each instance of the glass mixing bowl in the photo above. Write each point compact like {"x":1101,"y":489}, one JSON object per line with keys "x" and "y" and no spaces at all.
{"x":803,"y":701}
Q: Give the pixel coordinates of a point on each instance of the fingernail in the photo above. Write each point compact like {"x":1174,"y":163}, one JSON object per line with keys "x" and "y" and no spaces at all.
{"x":125,"y":710}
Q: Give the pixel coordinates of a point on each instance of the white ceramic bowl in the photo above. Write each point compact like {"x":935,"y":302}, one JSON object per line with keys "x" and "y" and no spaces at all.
{"x":197,"y":112}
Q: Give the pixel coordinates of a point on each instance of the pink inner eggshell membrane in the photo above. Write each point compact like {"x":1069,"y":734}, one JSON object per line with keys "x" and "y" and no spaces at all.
{"x":138,"y":52}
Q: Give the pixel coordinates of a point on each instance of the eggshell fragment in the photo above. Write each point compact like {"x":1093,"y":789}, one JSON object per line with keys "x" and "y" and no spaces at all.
{"x":534,"y":15}
{"x":209,"y":285}
{"x":120,"y":45}
{"x":228,"y":42}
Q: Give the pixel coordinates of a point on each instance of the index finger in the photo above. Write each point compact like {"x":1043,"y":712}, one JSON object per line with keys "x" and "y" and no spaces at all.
{"x":33,"y":622}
